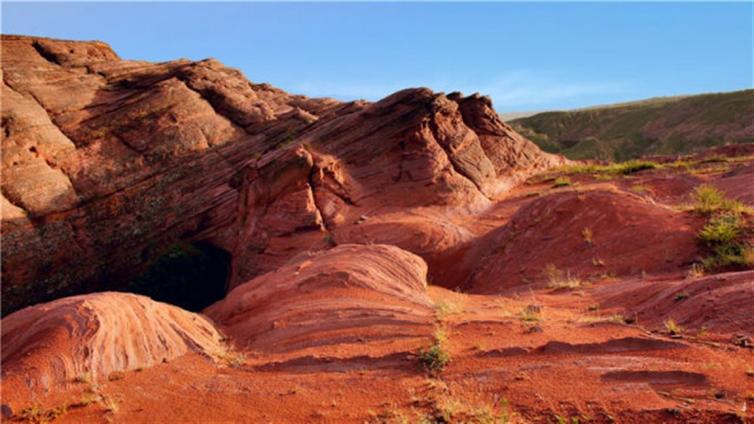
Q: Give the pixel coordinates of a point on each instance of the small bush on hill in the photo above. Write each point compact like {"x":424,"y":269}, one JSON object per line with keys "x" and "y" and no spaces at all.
{"x":435,"y":358}
{"x":709,"y":200}
{"x":722,"y":229}
{"x":723,"y":234}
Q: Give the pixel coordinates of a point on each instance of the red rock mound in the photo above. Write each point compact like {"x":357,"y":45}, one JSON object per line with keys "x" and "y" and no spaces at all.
{"x":721,"y":303}
{"x":350,"y":294}
{"x":584,"y":234}
{"x":52,"y":344}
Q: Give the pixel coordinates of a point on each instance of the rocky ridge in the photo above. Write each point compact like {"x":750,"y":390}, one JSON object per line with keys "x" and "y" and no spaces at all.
{"x":116,"y":159}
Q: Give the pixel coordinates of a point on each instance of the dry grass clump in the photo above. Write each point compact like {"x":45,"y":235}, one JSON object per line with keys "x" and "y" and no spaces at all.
{"x":673,"y":328}
{"x":559,"y":279}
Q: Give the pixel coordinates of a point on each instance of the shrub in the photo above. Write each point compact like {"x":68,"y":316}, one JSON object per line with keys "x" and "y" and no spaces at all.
{"x":709,"y":200}
{"x":721,"y":229}
{"x":724,"y":230}
{"x":722,"y":234}
{"x":435,"y":358}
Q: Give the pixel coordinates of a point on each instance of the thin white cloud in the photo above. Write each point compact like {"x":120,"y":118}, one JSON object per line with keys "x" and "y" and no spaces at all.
{"x":528,"y":89}
{"x":517,"y":90}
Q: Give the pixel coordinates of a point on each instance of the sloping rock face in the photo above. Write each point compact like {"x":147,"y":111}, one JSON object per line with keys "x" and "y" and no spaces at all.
{"x":106,"y":162}
{"x":348,"y":294}
{"x":94,"y":335}
{"x":720,"y":303}
{"x":596,"y":233}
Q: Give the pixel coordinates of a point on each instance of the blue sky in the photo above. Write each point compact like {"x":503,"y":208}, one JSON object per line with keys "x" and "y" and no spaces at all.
{"x":527,"y":56}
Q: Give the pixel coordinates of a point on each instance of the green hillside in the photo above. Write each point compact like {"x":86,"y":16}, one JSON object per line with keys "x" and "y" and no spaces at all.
{"x":658,"y":126}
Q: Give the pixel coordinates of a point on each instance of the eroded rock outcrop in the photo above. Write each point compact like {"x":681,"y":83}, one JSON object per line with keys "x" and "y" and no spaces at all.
{"x":720,"y":303}
{"x":107,"y":162}
{"x":349,"y":294}
{"x":589,"y":234}
{"x":91,"y":336}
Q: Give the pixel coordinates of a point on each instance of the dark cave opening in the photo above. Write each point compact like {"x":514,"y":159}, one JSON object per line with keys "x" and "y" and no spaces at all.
{"x":191,"y":276}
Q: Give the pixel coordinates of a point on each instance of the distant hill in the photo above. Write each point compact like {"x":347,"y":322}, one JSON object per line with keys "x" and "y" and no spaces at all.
{"x":657,"y":126}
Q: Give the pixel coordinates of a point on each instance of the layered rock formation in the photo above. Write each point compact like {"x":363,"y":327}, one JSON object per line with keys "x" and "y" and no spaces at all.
{"x":348,"y":294}
{"x":107,"y":162}
{"x":720,"y":303}
{"x":91,"y":336}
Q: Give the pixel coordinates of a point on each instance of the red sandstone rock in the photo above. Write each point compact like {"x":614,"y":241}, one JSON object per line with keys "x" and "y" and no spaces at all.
{"x":107,"y":162}
{"x":589,"y":235}
{"x":91,"y":336}
{"x":348,"y":294}
{"x":720,"y":303}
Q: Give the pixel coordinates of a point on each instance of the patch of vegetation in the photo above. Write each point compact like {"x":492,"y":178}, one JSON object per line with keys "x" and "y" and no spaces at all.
{"x":722,"y":230}
{"x":233,"y":358}
{"x":452,"y":410}
{"x":530,"y":314}
{"x":488,"y":415}
{"x":696,"y":271}
{"x":639,"y":188}
{"x":38,"y":415}
{"x":673,"y":328}
{"x":724,"y":233}
{"x":435,"y":358}
{"x":562,"y":182}
{"x":110,"y":405}
{"x":709,"y":200}
{"x":620,"y":168}
{"x":723,"y":236}
{"x":617,"y":318}
{"x":567,"y":420}
{"x":447,"y":307}
{"x":619,"y":132}
{"x":559,"y":279}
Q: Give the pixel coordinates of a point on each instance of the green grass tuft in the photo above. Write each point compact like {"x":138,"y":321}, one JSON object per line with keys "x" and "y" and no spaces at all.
{"x":435,"y":358}
{"x":709,"y":200}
